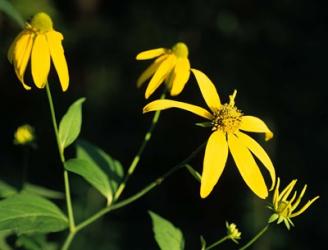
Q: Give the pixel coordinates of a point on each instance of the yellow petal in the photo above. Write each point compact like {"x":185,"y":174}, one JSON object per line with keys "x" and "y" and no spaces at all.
{"x":149,"y":54}
{"x":150,"y":70}
{"x":181,"y":75}
{"x":10,"y":53}
{"x":208,"y":90}
{"x":247,"y":167}
{"x":276,"y":193}
{"x":163,"y":70}
{"x":306,"y":206}
{"x":40,"y":61}
{"x":58,"y":58}
{"x":259,"y":152}
{"x":215,"y":158}
{"x":166,"y":104}
{"x":287,"y":190}
{"x":21,"y":55}
{"x":254,"y":124}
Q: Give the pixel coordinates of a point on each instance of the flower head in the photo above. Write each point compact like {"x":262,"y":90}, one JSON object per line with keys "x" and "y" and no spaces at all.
{"x":171,"y":66}
{"x":233,"y":232}
{"x":227,"y":123}
{"x":24,"y":135}
{"x":284,"y":206}
{"x":39,"y":42}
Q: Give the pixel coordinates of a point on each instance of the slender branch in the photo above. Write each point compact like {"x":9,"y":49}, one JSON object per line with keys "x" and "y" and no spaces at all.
{"x":217,"y":242}
{"x":62,"y":159}
{"x":68,"y":240}
{"x":255,"y":238}
{"x":139,"y":194}
{"x":137,"y":157}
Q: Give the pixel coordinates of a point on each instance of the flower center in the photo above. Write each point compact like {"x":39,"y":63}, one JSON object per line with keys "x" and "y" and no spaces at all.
{"x":42,"y":22}
{"x":228,"y":117}
{"x":283,"y":209}
{"x":180,"y":50}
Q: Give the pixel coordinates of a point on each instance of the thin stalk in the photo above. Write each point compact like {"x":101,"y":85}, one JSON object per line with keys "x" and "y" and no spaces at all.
{"x":139,"y":194}
{"x":217,"y":242}
{"x":62,"y":159}
{"x":68,"y":241}
{"x":255,"y":238}
{"x":137,"y":157}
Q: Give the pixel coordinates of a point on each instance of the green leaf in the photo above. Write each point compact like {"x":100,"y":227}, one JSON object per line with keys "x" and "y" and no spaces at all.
{"x":25,"y":213}
{"x":9,"y":9}
{"x":167,"y":236}
{"x":35,"y":242}
{"x":194,"y":173}
{"x":42,"y":191}
{"x":96,"y":156}
{"x":92,"y":174}
{"x":70,"y":125}
{"x":3,"y":243}
{"x":6,"y":190}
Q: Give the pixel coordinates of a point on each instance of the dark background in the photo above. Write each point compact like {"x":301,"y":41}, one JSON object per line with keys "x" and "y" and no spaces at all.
{"x":273,"y":52}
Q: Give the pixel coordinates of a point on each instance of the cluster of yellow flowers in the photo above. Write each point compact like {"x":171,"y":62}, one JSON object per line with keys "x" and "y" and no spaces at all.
{"x":41,"y":43}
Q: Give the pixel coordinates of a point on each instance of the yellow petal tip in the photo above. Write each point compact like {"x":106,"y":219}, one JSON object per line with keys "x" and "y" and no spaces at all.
{"x":268,"y":136}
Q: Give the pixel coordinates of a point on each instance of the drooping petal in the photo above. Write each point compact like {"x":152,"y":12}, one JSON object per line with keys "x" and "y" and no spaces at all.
{"x":181,"y":75}
{"x":166,"y":104}
{"x":40,"y":61}
{"x":247,"y":166}
{"x":276,"y":193}
{"x":21,"y":55}
{"x":215,"y":158}
{"x":259,"y":152}
{"x":254,"y":124}
{"x":10,"y":53}
{"x":58,"y":57}
{"x":162,"y":72}
{"x":150,"y":70}
{"x":150,"y":54}
{"x":208,"y":90}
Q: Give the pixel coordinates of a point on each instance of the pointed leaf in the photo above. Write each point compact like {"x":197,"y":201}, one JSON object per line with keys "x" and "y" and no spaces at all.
{"x":112,"y":167}
{"x":35,"y":242}
{"x":25,"y":213}
{"x":194,"y":173}
{"x":92,"y":174}
{"x":70,"y":125}
{"x":167,"y":236}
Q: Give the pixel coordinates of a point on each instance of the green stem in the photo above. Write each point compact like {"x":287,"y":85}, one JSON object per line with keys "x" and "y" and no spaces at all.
{"x":68,"y":241}
{"x":137,"y":157}
{"x":140,"y":194}
{"x":217,"y":242}
{"x":62,"y":159}
{"x":255,"y":238}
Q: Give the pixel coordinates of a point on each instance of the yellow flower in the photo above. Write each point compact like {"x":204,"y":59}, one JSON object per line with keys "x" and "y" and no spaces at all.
{"x":227,"y":124}
{"x":171,"y":66}
{"x":233,"y":232}
{"x":24,"y":135}
{"x":40,"y":42}
{"x":284,"y":206}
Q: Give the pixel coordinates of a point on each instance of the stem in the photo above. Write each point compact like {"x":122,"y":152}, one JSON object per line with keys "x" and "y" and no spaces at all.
{"x":62,"y":159}
{"x":137,"y":157}
{"x":258,"y":235}
{"x":138,"y":195}
{"x":217,"y":242}
{"x":68,"y":241}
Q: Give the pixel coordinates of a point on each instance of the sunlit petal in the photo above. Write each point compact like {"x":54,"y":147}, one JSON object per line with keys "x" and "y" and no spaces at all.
{"x":254,"y":124}
{"x":208,"y":90}
{"x":215,"y":158}
{"x":161,"y":73}
{"x":247,"y":166}
{"x":57,"y":54}
{"x":181,"y":75}
{"x":166,"y":104}
{"x":21,"y":54}
{"x":40,"y":61}
{"x":149,"y":54}
{"x":10,"y":53}
{"x":150,"y":70}
{"x":259,"y":152}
